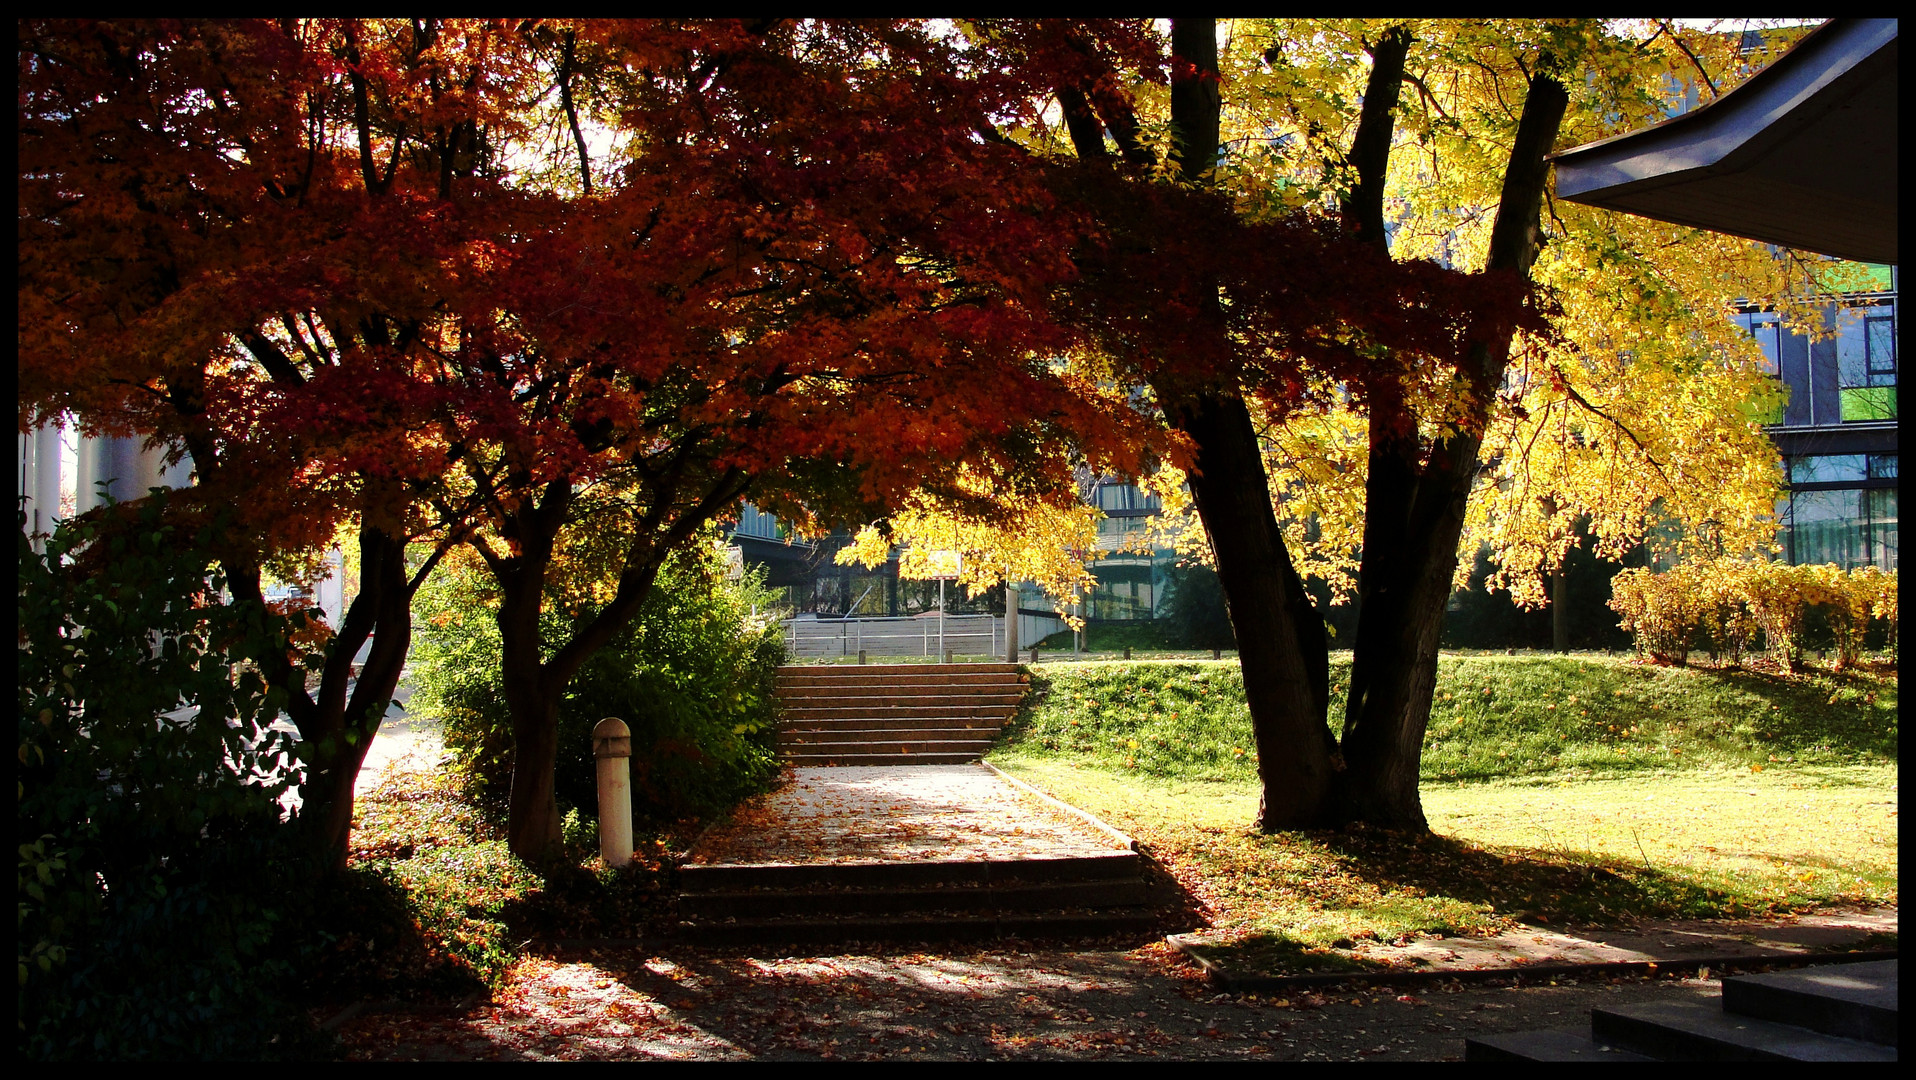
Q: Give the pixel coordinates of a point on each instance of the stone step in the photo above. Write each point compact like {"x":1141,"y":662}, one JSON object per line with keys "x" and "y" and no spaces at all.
{"x":882,"y":744}
{"x":1002,"y":899}
{"x":867,"y":730}
{"x":1698,"y":1031}
{"x":1851,"y":1001}
{"x":897,"y":674}
{"x":739,"y":877}
{"x":983,"y":725}
{"x":950,"y":927}
{"x":865,"y":695}
{"x":903,"y":669}
{"x":1552,"y":1045}
{"x":845,"y":760}
{"x":792,"y":715}
{"x":877,"y":676}
{"x":893,"y":691}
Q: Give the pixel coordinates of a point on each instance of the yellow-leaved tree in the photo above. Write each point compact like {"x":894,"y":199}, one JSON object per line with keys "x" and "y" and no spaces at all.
{"x":1049,"y":542}
{"x":1632,"y":415}
{"x":1629,"y":413}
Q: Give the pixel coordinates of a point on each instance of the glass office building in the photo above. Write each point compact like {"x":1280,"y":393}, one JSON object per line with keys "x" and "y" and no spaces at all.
{"x":1837,"y":435}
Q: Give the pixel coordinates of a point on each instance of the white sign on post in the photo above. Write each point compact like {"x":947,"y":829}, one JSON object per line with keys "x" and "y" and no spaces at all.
{"x":945,"y":566}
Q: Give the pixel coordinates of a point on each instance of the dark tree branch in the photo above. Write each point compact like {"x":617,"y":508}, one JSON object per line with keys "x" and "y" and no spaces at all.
{"x":571,"y":112}
{"x":1194,"y":93}
{"x":1087,"y":135}
{"x":1370,"y":146}
{"x":272,"y":358}
{"x":1685,"y":48}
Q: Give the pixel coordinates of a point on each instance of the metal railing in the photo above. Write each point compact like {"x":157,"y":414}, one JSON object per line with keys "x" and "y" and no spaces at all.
{"x":924,"y":635}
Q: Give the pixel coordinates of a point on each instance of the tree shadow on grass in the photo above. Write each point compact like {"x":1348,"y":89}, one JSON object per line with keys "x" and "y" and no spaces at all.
{"x":1821,"y":710}
{"x":1555,"y":888}
{"x":372,"y":946}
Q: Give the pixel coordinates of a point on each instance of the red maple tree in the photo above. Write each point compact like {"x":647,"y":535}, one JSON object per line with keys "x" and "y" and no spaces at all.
{"x":373,"y":272}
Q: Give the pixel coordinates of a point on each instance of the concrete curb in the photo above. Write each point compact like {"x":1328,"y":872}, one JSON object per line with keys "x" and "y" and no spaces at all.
{"x":1223,"y":979}
{"x":1088,"y":818}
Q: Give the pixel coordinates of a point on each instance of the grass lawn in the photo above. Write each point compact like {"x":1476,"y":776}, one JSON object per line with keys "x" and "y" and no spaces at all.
{"x":433,"y":904}
{"x":1644,"y":793}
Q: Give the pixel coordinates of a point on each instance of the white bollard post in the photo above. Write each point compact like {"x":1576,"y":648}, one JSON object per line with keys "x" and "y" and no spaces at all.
{"x":612,"y":745}
{"x":1011,"y":621}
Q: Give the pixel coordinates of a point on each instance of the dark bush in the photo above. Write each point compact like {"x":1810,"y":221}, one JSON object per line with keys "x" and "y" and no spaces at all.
{"x":159,"y":890}
{"x":693,"y":676}
{"x":1194,"y":611}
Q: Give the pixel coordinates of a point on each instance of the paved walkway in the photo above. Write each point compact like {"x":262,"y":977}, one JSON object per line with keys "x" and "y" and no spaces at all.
{"x":404,"y":740}
{"x":874,"y":813}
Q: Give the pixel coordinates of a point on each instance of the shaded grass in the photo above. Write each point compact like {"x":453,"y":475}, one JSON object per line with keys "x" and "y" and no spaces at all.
{"x":1595,"y":852}
{"x":433,"y":903}
{"x":1152,"y":636}
{"x":1492,"y":717}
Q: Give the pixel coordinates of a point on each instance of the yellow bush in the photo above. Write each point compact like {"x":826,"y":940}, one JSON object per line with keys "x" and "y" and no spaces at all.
{"x":1732,"y":600}
{"x":1658,"y":611}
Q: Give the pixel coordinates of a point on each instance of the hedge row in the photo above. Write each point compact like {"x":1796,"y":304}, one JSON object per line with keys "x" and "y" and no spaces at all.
{"x":1730,"y":604}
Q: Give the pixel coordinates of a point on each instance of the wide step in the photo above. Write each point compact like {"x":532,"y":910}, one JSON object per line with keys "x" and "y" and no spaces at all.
{"x":906,"y":714}
{"x":943,"y":928}
{"x":1695,"y":1031}
{"x":1832,"y":1012}
{"x":1550,"y":1045}
{"x":968,"y":900}
{"x":972,"y":900}
{"x":1851,"y":1001}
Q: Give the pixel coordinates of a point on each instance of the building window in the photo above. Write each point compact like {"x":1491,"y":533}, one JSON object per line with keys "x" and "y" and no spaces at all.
{"x":1764,"y":327}
{"x":1829,"y":468}
{"x":1866,"y":362}
{"x":1121,"y":498}
{"x":1850,"y":527}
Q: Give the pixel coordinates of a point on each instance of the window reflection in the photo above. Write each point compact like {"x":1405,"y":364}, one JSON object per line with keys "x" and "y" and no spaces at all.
{"x":1827,"y":469}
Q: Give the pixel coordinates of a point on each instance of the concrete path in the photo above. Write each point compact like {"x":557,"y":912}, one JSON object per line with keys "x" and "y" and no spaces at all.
{"x":903,"y":813}
{"x":404,"y":740}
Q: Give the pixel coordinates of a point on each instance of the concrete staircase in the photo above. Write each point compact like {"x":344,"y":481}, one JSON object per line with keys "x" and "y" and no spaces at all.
{"x":915,"y":901}
{"x":894,"y":714}
{"x":908,"y":714}
{"x":1836,"y":1012}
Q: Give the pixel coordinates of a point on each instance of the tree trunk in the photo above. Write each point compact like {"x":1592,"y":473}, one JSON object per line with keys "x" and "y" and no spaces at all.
{"x":1414,"y":519}
{"x":1560,"y":608}
{"x":532,"y":703}
{"x":1282,"y":649}
{"x":337,"y":724}
{"x":532,"y":816}
{"x":1411,"y":530}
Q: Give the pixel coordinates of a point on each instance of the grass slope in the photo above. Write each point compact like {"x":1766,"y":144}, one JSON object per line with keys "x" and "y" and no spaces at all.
{"x":1568,"y":790}
{"x":1494,"y":717}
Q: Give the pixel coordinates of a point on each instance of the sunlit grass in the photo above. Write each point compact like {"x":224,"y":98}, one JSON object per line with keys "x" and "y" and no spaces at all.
{"x":1688,"y":844}
{"x":1579,"y":789}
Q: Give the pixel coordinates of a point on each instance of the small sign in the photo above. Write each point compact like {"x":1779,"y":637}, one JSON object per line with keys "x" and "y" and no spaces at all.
{"x":945,"y":565}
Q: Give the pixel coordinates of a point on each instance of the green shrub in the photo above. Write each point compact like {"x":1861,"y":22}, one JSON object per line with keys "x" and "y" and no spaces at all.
{"x":693,"y":677}
{"x":1194,"y":610}
{"x":160,"y":893}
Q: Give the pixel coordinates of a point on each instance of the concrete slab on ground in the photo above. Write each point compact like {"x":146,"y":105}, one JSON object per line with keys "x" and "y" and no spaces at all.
{"x":903,"y":813}
{"x":1652,"y":941}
